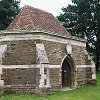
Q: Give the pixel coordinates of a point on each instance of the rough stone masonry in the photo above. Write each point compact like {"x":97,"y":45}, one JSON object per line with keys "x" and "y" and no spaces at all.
{"x":39,"y":56}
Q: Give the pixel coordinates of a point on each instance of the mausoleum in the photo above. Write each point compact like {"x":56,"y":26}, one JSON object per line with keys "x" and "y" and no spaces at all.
{"x":38,"y":55}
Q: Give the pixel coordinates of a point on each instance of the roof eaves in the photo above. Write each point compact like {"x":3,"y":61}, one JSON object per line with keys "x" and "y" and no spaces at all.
{"x":6,"y":32}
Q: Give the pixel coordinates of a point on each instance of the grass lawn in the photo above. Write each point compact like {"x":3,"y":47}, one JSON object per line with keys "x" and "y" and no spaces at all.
{"x":85,"y":93}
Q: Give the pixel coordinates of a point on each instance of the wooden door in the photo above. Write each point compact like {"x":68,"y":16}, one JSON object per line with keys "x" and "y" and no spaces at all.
{"x":66,"y":74}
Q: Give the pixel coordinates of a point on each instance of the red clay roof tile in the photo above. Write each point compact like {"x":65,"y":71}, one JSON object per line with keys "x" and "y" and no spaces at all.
{"x":30,"y":18}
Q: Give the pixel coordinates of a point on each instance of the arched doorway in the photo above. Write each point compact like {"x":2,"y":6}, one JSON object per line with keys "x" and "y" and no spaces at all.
{"x":68,"y":72}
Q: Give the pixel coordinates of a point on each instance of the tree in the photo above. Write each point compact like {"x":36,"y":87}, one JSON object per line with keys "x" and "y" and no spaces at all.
{"x":8,"y":10}
{"x":82,"y":20}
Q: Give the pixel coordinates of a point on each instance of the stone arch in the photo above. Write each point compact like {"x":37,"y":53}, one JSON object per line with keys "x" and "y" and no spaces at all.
{"x":68,"y":72}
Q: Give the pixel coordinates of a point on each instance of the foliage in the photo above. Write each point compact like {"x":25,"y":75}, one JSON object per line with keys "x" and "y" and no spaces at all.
{"x":8,"y":10}
{"x":82,"y":20}
{"x":91,"y":92}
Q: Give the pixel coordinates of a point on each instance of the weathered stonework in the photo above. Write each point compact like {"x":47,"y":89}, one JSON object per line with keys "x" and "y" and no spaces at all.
{"x":20,"y":78}
{"x":56,"y":52}
{"x":83,"y":79}
{"x":34,"y":57}
{"x":22,"y":52}
{"x":55,"y":78}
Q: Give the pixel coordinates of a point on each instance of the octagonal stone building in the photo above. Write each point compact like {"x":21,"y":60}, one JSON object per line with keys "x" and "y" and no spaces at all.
{"x":39,"y":55}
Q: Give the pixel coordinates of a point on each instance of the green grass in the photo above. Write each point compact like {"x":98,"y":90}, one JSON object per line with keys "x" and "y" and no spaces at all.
{"x":91,"y":92}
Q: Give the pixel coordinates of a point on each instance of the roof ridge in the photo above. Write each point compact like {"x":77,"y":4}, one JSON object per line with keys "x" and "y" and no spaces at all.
{"x":37,"y":9}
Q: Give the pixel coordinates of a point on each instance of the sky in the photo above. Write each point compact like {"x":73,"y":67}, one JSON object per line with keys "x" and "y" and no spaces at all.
{"x":52,"y":6}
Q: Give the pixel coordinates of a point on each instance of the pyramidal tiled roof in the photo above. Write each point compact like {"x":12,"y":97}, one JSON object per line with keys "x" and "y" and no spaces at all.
{"x":30,"y":18}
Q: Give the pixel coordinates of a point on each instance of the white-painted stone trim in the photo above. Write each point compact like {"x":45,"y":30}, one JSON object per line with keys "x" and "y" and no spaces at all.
{"x":42,"y":37}
{"x":38,"y":31}
{"x":48,"y":77}
{"x":44,"y":76}
{"x":26,"y":66}
{"x":38,"y":66}
{"x":94,"y":73}
{"x":0,"y":70}
{"x":18,"y":66}
{"x":41,"y":83}
{"x":41,"y":54}
{"x":2,"y":50}
{"x":82,"y":66}
{"x":54,"y":66}
{"x":44,"y":63}
{"x":1,"y":83}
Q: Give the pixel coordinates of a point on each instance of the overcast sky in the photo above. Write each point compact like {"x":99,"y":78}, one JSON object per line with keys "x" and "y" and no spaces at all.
{"x":52,"y":6}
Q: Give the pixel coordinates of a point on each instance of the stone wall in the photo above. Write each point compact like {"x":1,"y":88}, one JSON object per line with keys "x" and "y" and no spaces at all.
{"x":56,"y":52}
{"x":19,"y":76}
{"x":20,"y":79}
{"x":78,"y":55}
{"x":83,"y":76}
{"x":21,"y":52}
{"x":55,"y":78}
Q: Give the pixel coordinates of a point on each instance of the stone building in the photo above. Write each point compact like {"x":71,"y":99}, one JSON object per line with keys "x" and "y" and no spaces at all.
{"x":39,"y":55}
